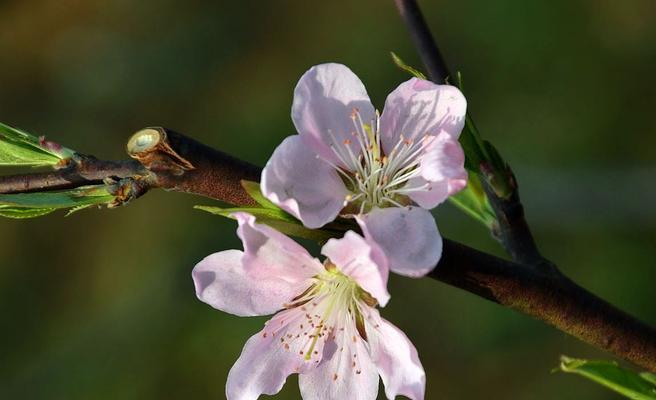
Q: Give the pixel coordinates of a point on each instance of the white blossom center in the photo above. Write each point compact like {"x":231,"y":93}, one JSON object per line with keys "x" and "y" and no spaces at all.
{"x":329,"y":315}
{"x":376,"y":178}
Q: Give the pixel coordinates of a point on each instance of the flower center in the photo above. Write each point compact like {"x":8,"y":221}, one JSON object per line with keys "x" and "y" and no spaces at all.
{"x":321,"y":314}
{"x":376,"y":178}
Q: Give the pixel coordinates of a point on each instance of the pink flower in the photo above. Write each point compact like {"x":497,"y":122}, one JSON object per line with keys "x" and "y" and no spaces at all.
{"x":329,"y":331}
{"x":347,"y":160}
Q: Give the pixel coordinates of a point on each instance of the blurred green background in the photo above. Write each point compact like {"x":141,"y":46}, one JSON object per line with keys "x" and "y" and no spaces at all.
{"x":100,"y":305}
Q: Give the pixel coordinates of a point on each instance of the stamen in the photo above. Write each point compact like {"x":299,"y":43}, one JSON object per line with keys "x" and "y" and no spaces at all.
{"x":375,"y":177}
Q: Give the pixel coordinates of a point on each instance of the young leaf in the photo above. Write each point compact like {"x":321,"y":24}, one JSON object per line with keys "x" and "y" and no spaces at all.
{"x":607,"y":373}
{"x":281,"y":221}
{"x":473,"y":201}
{"x":401,"y":64}
{"x":30,"y":205}
{"x":648,"y":376}
{"x":253,"y":189}
{"x":19,"y":148}
{"x":22,"y":212}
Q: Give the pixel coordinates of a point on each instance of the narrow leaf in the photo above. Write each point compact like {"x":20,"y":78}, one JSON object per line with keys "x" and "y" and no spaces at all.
{"x":648,"y":376}
{"x":278,"y":220}
{"x":607,"y":373}
{"x":19,"y":148}
{"x":401,"y":64}
{"x":22,"y":212}
{"x":76,"y":209}
{"x":62,"y":199}
{"x":19,"y":154}
{"x":254,"y":190}
{"x":473,"y":201}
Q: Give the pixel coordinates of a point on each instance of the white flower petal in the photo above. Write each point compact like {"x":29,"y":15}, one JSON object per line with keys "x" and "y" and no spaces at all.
{"x":397,"y":360}
{"x":272,"y":270}
{"x":324,"y":100}
{"x":262,"y":368}
{"x":443,"y":159}
{"x":362,"y":261}
{"x":346,"y":371}
{"x":302,"y":184}
{"x":418,"y":107}
{"x":221,"y":282}
{"x":408,"y":236}
{"x":270,"y":254}
{"x":434,"y":194}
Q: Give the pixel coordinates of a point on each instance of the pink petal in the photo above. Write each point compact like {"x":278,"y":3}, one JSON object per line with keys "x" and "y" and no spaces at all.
{"x":222,"y":282}
{"x":408,"y":236}
{"x":397,"y":360}
{"x":262,"y":368}
{"x":336,"y":377}
{"x":324,"y":100}
{"x":435,"y":193}
{"x":302,"y":184}
{"x":442,"y":171}
{"x":361,"y":260}
{"x":268,"y":254}
{"x":443,"y":159}
{"x":418,"y":107}
{"x":272,"y":270}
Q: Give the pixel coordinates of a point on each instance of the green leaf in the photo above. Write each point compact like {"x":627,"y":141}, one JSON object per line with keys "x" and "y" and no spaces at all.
{"x":76,"y":209}
{"x":648,"y":376}
{"x":19,"y":148}
{"x":281,"y":221}
{"x":30,"y":205}
{"x":472,"y":145}
{"x":22,"y":213}
{"x":470,"y":139}
{"x":253,"y":189}
{"x":607,"y":373}
{"x":401,"y":64}
{"x":19,"y":154}
{"x":473,"y":201}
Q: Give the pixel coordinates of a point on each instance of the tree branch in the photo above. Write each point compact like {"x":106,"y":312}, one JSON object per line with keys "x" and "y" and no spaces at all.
{"x":85,"y":170}
{"x":512,"y":231}
{"x":172,"y":161}
{"x":423,"y":40}
{"x":181,"y":164}
{"x":550,"y":297}
{"x":541,"y":292}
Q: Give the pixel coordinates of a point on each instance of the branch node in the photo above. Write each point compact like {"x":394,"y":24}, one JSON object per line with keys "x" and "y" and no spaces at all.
{"x":127,"y":189}
{"x":151,"y":147}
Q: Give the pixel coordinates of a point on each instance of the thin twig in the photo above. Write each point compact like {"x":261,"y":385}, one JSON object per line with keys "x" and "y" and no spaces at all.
{"x":512,"y":229}
{"x":423,"y":40}
{"x":85,"y":170}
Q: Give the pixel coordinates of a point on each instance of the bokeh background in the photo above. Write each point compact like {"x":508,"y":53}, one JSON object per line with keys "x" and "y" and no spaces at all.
{"x":100,"y":305}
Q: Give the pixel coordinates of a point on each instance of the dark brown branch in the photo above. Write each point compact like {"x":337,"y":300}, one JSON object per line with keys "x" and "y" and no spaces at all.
{"x":512,"y":230}
{"x":550,"y":297}
{"x":175,"y":162}
{"x":423,"y":40}
{"x":182,"y":164}
{"x":85,"y":171}
{"x":546,"y":295}
{"x":544,"y":292}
